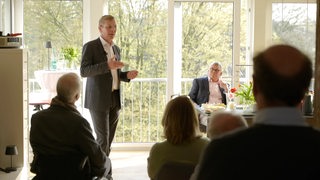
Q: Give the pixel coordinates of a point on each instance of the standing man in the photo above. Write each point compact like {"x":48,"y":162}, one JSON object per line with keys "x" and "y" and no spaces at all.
{"x":101,"y":65}
{"x":209,"y":89}
{"x":280,"y":144}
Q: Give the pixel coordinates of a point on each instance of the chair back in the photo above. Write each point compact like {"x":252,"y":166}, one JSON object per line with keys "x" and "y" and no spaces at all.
{"x":175,"y":171}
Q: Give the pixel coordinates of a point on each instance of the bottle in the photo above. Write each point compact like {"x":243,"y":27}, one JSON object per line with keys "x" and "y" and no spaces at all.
{"x":307,"y":105}
{"x":53,"y":64}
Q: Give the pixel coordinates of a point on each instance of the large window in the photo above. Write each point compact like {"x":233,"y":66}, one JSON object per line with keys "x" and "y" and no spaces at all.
{"x":170,"y":42}
{"x":142,"y":37}
{"x":5,"y":16}
{"x":208,"y":35}
{"x":50,"y":27}
{"x":294,"y":23}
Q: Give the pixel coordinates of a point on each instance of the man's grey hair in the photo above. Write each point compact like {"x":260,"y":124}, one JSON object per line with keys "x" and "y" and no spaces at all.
{"x":220,"y":123}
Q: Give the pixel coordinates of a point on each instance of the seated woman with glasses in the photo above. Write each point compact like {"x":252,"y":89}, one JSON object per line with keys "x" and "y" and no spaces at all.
{"x":183,"y":140}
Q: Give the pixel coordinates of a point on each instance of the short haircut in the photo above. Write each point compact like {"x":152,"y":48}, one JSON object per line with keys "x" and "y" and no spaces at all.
{"x":68,"y":86}
{"x":276,"y":87}
{"x":216,"y":63}
{"x":180,"y":121}
{"x":105,"y":18}
{"x":220,"y":123}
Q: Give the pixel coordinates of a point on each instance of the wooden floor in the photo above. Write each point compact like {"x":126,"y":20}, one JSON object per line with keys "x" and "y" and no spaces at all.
{"x":126,"y":165}
{"x":129,"y":165}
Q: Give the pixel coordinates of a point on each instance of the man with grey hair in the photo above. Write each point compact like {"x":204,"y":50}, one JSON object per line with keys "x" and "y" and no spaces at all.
{"x":209,"y":89}
{"x":62,"y":140}
{"x":220,"y":123}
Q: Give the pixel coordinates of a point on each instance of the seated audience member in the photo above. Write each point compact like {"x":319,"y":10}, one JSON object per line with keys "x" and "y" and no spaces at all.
{"x":224,"y":122}
{"x":184,"y":142}
{"x":62,"y":140}
{"x":209,"y":89}
{"x":280,"y":144}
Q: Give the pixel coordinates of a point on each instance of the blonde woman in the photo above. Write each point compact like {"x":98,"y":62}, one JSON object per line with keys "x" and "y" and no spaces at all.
{"x":183,"y":140}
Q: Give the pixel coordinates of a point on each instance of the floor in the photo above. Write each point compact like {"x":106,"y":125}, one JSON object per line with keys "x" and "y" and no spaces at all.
{"x":126,"y":165}
{"x":129,"y":165}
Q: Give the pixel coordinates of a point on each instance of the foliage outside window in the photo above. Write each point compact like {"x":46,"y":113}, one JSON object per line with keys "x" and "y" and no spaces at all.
{"x":295,"y":24}
{"x":57,"y":21}
{"x":142,"y":38}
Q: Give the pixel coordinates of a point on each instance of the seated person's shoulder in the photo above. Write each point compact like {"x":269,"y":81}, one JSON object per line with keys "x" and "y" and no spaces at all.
{"x":203,"y":141}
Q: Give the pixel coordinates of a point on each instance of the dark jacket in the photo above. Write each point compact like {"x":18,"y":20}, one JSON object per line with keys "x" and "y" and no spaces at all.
{"x":94,"y":66}
{"x":60,"y":132}
{"x":199,"y":92}
{"x":263,"y":152}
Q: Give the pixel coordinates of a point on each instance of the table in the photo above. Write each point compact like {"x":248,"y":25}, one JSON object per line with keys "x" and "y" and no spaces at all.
{"x":248,"y":115}
{"x":48,"y":79}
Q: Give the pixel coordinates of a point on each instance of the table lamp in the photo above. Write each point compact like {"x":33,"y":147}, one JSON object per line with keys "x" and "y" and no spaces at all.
{"x":48,"y":46}
{"x":11,"y":150}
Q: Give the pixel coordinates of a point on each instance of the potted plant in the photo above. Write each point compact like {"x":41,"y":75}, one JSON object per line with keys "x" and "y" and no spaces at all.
{"x":244,"y":94}
{"x":71,"y":55}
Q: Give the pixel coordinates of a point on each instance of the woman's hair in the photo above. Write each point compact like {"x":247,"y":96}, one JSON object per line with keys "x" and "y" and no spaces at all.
{"x":180,"y":121}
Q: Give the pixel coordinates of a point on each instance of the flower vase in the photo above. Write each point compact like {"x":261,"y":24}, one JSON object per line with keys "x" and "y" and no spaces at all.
{"x":231,"y":105}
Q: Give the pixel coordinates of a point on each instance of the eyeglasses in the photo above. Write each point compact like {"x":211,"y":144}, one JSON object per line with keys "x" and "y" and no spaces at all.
{"x":215,"y":70}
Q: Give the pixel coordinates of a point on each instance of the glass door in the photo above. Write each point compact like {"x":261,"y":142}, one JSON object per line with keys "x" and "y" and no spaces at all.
{"x":204,"y":32}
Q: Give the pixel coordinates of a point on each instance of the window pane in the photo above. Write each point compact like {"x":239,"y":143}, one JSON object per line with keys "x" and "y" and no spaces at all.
{"x":295,"y":24}
{"x":142,"y":34}
{"x":207,"y":37}
{"x":59,"y":22}
{"x":5,"y":17}
{"x":142,"y":38}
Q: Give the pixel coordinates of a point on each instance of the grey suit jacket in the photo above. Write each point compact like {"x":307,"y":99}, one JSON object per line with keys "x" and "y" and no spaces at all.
{"x":99,"y":79}
{"x":199,"y":92}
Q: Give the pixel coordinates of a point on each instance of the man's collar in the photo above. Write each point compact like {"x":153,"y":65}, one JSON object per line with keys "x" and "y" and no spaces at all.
{"x":105,"y":43}
{"x":210,"y":80}
{"x":280,"y":116}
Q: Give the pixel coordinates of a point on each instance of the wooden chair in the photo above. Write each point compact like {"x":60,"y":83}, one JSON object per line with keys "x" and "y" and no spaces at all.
{"x":175,"y":171}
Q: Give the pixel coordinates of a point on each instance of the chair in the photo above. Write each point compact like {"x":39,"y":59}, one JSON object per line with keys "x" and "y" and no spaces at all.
{"x":62,"y":167}
{"x":175,"y":171}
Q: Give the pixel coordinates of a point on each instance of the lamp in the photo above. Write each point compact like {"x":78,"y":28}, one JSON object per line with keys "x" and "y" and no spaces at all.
{"x":48,"y":46}
{"x":11,"y":150}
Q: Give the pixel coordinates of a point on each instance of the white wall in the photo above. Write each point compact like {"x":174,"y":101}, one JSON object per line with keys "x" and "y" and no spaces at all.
{"x":13,"y":106}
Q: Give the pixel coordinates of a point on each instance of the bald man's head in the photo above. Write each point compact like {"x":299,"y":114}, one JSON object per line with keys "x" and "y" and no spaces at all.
{"x":68,"y":87}
{"x":223,"y":122}
{"x":282,"y":75}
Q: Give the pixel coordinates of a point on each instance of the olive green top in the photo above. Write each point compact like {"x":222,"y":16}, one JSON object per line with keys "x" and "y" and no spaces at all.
{"x":164,"y":151}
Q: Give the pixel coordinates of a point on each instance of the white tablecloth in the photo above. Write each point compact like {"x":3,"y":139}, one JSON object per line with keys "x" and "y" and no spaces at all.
{"x":48,"y":80}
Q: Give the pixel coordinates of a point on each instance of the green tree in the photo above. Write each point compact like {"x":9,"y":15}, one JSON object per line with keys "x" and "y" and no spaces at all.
{"x":207,"y":36}
{"x":57,"y":21}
